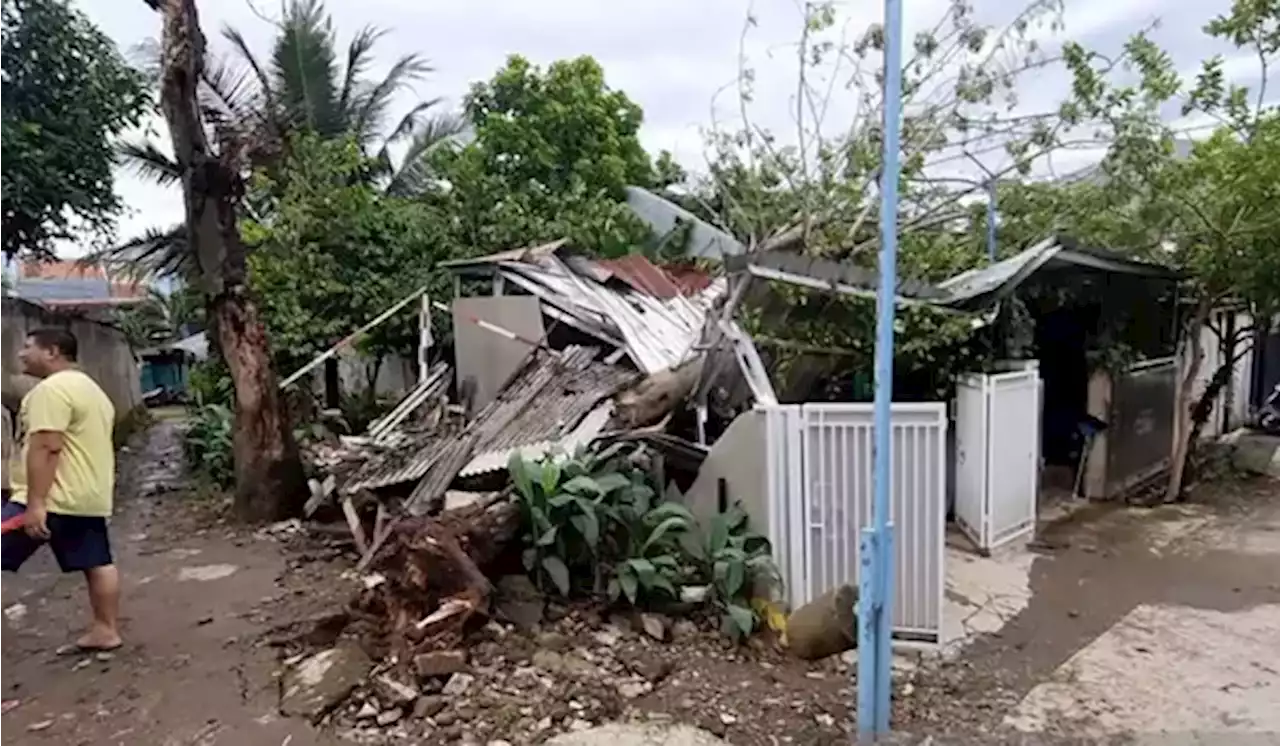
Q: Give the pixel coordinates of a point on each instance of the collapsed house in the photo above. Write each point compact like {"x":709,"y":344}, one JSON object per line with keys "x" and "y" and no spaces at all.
{"x":561,"y":351}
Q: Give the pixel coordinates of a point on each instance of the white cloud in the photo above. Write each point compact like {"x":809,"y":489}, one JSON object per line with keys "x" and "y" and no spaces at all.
{"x":671,"y":56}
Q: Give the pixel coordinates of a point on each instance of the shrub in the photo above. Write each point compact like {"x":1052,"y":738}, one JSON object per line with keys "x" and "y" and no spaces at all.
{"x":738,"y":562}
{"x":592,"y":524}
{"x":208,"y":444}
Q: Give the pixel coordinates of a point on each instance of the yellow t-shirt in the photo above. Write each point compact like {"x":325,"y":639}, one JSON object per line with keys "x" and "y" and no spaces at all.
{"x":71,"y":403}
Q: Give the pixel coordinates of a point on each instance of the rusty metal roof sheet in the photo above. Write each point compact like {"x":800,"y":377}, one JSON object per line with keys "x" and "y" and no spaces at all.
{"x":643,"y":275}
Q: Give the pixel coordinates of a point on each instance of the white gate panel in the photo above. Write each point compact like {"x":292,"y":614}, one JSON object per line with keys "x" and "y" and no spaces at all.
{"x":820,"y":498}
{"x":998,"y":456}
{"x":971,"y":421}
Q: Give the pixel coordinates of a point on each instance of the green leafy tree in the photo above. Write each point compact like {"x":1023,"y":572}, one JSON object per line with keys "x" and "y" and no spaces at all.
{"x":815,"y":189}
{"x":552,"y":152}
{"x":1213,"y":210}
{"x":67,"y":92}
{"x":334,"y":252}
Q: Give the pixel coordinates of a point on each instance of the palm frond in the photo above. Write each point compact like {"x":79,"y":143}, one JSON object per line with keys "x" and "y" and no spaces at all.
{"x":159,"y":252}
{"x":148,"y":161}
{"x":432,"y":133}
{"x":305,"y":66}
{"x":371,"y":105}
{"x":359,"y":57}
{"x":266,"y":89}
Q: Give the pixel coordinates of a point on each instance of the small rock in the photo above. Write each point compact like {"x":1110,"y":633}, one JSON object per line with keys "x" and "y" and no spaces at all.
{"x":428,"y":705}
{"x":446,"y":719}
{"x":319,"y":682}
{"x":1073,"y":613}
{"x":499,"y":742}
{"x":694,"y":594}
{"x":389,"y":717}
{"x":367,"y":711}
{"x":825,"y":720}
{"x":543,"y":725}
{"x":727,"y":719}
{"x":519,"y":602}
{"x":458,"y":685}
{"x":607,"y":637}
{"x":654,"y":626}
{"x":42,"y":725}
{"x":565,"y":664}
{"x":394,"y":692}
{"x":202,"y":621}
{"x":16,"y":613}
{"x":553,"y":641}
{"x":578,"y":724}
{"x":713,"y":726}
{"x":633,"y":689}
{"x":439,"y":663}
{"x":684,"y":629}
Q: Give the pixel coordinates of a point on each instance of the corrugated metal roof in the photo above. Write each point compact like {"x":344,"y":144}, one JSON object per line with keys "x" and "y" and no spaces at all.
{"x":551,"y":397}
{"x":546,"y":405}
{"x":658,"y":318}
{"x":664,"y":217}
{"x":980,"y":288}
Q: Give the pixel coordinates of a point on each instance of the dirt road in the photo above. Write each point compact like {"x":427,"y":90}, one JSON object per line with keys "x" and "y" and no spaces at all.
{"x":1176,"y":603}
{"x":195,"y":600}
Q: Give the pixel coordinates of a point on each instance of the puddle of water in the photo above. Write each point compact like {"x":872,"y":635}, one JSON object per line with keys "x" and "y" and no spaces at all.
{"x":205,"y":573}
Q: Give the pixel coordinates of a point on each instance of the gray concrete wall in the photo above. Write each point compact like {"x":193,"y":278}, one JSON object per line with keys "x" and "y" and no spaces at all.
{"x":489,"y":357}
{"x":737,"y":457}
{"x":104,"y":352}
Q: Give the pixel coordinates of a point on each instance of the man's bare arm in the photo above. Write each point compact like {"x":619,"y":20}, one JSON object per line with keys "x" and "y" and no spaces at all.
{"x":43,"y":449}
{"x":13,"y":387}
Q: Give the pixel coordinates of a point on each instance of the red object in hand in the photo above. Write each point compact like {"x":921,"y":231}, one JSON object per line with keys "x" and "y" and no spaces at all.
{"x":12,"y":524}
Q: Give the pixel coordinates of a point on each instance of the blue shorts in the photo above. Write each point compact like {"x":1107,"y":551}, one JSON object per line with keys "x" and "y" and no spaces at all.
{"x":78,"y":542}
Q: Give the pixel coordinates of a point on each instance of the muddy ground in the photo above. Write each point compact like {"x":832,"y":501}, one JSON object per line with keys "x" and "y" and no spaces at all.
{"x":201,"y":596}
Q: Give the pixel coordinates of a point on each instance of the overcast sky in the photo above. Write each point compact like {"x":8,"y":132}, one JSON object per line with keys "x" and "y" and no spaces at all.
{"x":670,"y":56}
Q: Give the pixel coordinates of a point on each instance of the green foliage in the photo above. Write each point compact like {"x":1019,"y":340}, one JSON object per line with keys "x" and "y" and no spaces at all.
{"x":161,"y":318}
{"x":208,"y":444}
{"x":209,"y":382}
{"x":592,"y":520}
{"x":561,"y":509}
{"x":552,"y":151}
{"x":739,"y":563}
{"x":1211,"y":212}
{"x":333,"y":252}
{"x":652,"y":559}
{"x":67,"y":92}
{"x":813,"y":190}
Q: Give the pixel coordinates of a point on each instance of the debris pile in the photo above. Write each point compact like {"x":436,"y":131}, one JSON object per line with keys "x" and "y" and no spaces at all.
{"x":585,"y":351}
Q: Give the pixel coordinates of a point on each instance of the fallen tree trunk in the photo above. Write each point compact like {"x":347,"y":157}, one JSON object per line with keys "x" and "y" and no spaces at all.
{"x":433,"y":571}
{"x":652,"y":398}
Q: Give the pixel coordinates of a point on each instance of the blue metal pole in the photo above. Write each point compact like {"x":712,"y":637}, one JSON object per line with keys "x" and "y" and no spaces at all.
{"x":991,"y":220}
{"x":875,"y":600}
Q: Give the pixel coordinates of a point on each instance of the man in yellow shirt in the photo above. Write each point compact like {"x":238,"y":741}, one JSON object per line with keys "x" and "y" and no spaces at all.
{"x":63,"y":477}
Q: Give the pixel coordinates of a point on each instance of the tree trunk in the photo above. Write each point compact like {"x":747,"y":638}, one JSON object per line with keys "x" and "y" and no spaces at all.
{"x":1182,"y":430}
{"x":652,"y":398}
{"x":269,"y":479}
{"x":1217,"y":383}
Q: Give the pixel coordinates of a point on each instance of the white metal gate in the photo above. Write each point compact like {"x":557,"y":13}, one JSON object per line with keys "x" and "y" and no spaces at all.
{"x":997,"y":456}
{"x":819,"y":487}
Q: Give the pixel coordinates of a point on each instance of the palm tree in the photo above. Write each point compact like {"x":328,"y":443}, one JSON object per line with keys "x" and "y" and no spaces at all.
{"x":253,"y":106}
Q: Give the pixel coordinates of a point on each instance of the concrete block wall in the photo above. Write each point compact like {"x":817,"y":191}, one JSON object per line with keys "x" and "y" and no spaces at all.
{"x":104,"y":352}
